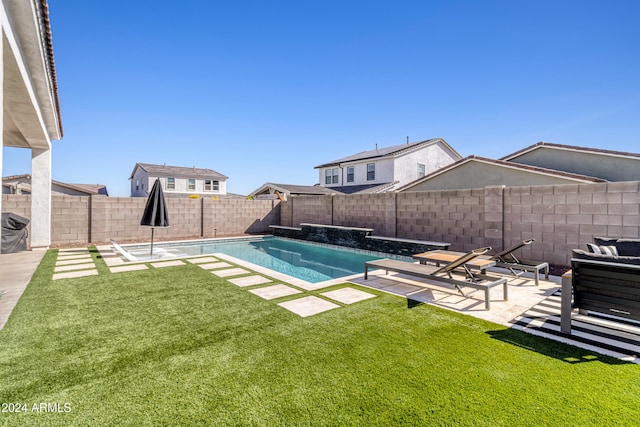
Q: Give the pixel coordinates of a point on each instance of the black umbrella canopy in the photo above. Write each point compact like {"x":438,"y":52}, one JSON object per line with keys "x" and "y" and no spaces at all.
{"x":155,"y":212}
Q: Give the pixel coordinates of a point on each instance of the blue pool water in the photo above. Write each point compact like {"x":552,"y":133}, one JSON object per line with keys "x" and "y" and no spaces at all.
{"x":307,"y":261}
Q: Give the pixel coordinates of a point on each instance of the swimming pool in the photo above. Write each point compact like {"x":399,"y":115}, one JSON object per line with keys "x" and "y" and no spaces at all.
{"x":303,"y":260}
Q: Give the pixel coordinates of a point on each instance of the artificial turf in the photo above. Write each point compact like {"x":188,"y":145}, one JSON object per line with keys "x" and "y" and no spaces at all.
{"x":179,"y":346}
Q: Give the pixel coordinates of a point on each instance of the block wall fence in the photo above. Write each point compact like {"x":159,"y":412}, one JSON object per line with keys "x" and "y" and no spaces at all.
{"x":98,"y":219}
{"x":559,"y":217}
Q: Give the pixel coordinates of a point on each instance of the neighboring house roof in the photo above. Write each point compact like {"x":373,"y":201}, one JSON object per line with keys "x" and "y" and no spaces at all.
{"x":172,"y":195}
{"x":606,"y":164}
{"x":316,"y":190}
{"x":177,"y":171}
{"x":89,"y":188}
{"x":540,"y":145}
{"x":501,"y":164}
{"x":25,"y":185}
{"x":393,"y":151}
{"x":306,"y":190}
{"x":365,"y":188}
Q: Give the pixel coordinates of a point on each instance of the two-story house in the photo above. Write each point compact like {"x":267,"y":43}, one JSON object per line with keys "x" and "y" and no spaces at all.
{"x":388,"y":168}
{"x":177,"y":181}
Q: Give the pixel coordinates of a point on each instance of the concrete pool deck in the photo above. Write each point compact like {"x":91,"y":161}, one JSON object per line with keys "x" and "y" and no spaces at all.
{"x":16,"y":272}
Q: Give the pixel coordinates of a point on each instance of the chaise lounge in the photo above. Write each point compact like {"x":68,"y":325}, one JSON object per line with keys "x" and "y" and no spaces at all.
{"x":444,"y":274}
{"x":517,"y":267}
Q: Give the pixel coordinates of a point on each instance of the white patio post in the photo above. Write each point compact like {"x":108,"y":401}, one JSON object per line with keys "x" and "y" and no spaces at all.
{"x":40,"y":198}
{"x":1,"y":111}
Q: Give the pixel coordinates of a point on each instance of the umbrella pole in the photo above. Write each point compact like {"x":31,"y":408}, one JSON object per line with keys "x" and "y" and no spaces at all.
{"x":152,"y":228}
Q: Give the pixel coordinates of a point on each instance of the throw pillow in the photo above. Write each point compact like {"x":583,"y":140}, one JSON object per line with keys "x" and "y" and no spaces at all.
{"x":609,"y":250}
{"x":603,"y":250}
{"x":594,"y":249}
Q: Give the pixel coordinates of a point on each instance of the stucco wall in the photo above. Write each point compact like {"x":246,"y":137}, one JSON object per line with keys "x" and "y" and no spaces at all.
{"x":433,"y":157}
{"x":598,"y":165}
{"x":476,"y":174}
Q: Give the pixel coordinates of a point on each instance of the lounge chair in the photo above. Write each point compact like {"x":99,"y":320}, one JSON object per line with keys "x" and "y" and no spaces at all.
{"x":517,"y":267}
{"x":444,"y":274}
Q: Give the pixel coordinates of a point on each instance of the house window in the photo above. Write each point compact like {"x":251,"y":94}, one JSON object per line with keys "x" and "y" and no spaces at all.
{"x":421,"y":169}
{"x":171,"y":183}
{"x":351,"y":174}
{"x":331,"y":176}
{"x":191,"y":184}
{"x":371,"y":171}
{"x":211,"y":185}
{"x":137,"y":184}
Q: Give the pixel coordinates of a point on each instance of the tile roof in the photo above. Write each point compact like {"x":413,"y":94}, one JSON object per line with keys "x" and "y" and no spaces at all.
{"x":503,"y":163}
{"x":178,"y":171}
{"x":45,"y":30}
{"x":387,"y":151}
{"x":569,"y":148}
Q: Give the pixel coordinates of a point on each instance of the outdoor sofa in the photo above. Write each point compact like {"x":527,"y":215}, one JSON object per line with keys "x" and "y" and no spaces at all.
{"x":604,"y":279}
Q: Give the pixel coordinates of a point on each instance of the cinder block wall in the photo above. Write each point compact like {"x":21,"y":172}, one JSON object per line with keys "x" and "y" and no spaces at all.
{"x":564,"y":217}
{"x":97,"y":219}
{"x":361,"y":210}
{"x":70,"y":219}
{"x":559,"y":217}
{"x":310,"y":209}
{"x":233,"y":217}
{"x":454,"y":216}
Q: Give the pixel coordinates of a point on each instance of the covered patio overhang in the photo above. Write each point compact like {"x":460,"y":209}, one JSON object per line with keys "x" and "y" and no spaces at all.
{"x":30,"y":109}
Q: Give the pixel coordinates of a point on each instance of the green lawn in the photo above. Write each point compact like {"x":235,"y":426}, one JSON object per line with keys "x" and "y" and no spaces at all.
{"x":179,"y":346}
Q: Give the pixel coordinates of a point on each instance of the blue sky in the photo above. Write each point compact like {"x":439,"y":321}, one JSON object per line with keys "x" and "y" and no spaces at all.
{"x":263,"y":91}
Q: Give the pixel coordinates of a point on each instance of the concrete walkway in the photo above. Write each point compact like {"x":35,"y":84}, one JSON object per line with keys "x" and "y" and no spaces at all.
{"x":15,"y":273}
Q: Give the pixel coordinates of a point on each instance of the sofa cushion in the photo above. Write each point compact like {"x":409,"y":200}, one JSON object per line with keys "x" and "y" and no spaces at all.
{"x":580,"y":254}
{"x":605,"y":250}
{"x":626,"y":247}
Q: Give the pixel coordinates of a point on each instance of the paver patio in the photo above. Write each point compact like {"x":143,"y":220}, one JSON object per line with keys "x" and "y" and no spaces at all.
{"x":249,"y":281}
{"x":347,"y":295}
{"x":214,"y":265}
{"x":230,"y":272}
{"x":275,"y":291}
{"x":308,"y":306}
{"x":125,"y":268}
{"x":161,"y":264}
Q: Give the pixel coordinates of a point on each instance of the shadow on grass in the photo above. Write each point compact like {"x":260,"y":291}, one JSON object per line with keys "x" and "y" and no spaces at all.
{"x":561,"y":351}
{"x":411,"y":303}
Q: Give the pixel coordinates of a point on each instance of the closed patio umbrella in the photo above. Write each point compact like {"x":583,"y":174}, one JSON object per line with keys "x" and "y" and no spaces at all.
{"x":155,"y":212}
